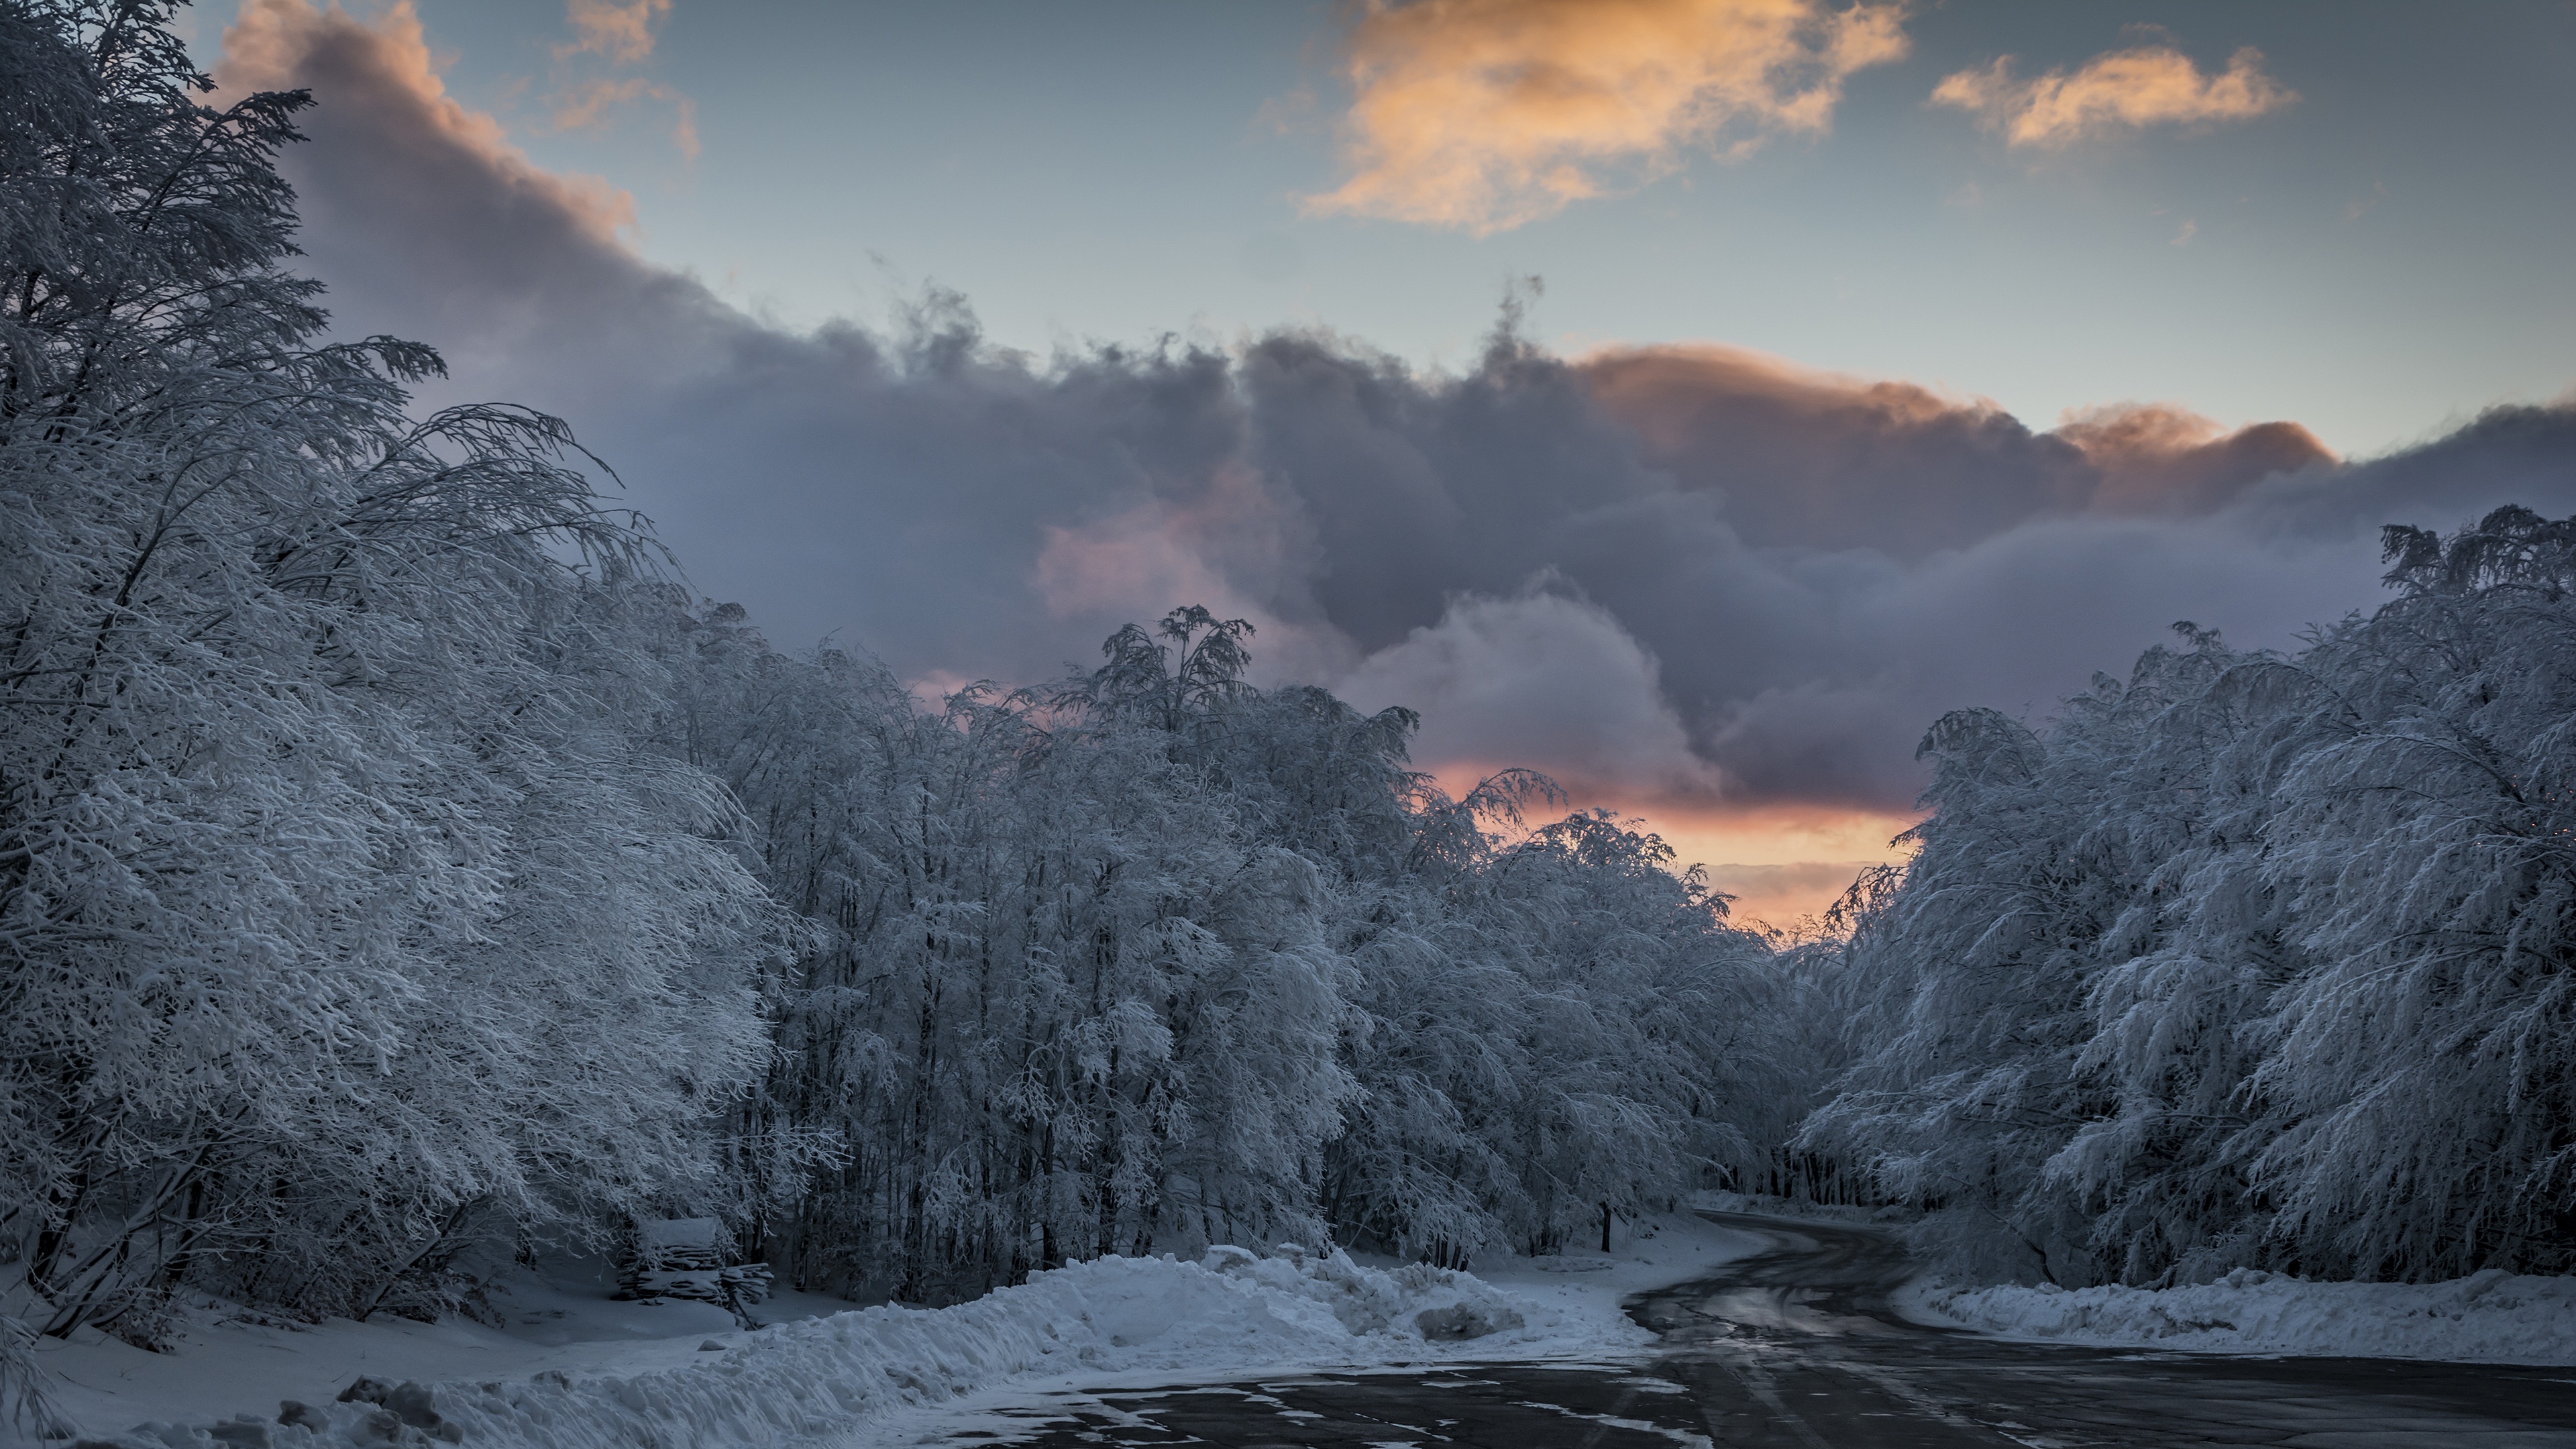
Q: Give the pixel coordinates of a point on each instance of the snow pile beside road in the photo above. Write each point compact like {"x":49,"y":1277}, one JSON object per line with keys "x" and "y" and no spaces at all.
{"x":792,"y":1382}
{"x":2491,"y":1317}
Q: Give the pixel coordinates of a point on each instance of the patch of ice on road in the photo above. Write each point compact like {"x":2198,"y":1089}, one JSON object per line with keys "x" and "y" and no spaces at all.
{"x":2490,"y":1317}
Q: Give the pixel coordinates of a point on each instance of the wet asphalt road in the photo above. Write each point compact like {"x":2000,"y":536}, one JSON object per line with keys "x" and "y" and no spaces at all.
{"x":1797,"y":1348}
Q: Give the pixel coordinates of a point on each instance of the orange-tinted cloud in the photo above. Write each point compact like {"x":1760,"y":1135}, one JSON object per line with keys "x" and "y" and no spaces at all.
{"x":1803,"y":456}
{"x":1780,"y":861}
{"x":619,"y":30}
{"x":385,"y":68}
{"x":2165,"y":458}
{"x":1822,"y":458}
{"x":588,"y":104}
{"x":591,"y":103}
{"x":2123,"y":90}
{"x":1646,"y":383}
{"x":1788,"y":895}
{"x":1665,"y":388}
{"x":1775,"y":834}
{"x":1481,"y":115}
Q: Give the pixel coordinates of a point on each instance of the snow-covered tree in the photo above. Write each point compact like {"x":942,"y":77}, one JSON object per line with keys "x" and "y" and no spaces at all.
{"x":340,"y":903}
{"x":2251,"y":960}
{"x":2420,"y":1088}
{"x":1156,"y":958}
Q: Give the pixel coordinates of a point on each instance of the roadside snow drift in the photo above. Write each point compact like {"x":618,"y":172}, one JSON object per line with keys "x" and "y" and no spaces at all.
{"x":2490,"y":1317}
{"x":793,"y":1382}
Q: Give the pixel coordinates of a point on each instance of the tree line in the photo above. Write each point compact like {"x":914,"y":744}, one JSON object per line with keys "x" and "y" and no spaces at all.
{"x":2250,"y":958}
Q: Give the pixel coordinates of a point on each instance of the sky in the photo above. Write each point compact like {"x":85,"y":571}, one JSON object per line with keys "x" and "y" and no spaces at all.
{"x":1690,"y":398}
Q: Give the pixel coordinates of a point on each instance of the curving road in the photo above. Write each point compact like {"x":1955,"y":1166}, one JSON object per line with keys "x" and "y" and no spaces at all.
{"x":1796,"y":1348}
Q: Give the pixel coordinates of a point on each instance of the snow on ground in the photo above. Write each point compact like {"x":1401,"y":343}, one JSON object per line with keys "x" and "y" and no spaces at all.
{"x":1569,"y":1303}
{"x":572,"y":1370}
{"x":227,"y":1360}
{"x":2490,"y":1317}
{"x":1586,"y":1287}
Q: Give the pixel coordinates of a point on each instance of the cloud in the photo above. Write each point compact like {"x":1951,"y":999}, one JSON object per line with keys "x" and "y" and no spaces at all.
{"x":382,"y":85}
{"x":1228,"y":545}
{"x":620,"y":31}
{"x":1780,"y":894}
{"x":614,"y":32}
{"x":2163,"y":457}
{"x":2122,"y":90}
{"x":1542,"y":674}
{"x":590,"y":104}
{"x":1482,"y":115}
{"x":1759,"y":582}
{"x":1806,"y":457}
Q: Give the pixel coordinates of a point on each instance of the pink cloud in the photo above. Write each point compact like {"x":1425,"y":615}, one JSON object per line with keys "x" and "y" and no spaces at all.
{"x":593,"y":103}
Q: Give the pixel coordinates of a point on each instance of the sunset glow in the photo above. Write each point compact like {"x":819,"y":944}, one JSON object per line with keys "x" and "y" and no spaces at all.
{"x":1781,"y":863}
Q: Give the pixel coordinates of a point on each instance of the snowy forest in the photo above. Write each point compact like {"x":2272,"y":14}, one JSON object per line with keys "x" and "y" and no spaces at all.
{"x":399,"y":866}
{"x":2248,"y":960}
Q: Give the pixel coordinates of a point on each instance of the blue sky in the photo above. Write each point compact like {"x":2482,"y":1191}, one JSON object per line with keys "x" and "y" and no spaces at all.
{"x":2381,"y":258}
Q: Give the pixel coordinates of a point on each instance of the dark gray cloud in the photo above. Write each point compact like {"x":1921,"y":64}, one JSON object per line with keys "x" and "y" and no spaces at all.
{"x":1823,"y":461}
{"x":1685,"y":574}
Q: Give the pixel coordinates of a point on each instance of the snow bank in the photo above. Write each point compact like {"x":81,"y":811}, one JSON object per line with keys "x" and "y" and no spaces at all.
{"x":1233,"y":1310}
{"x":2492,"y":1317}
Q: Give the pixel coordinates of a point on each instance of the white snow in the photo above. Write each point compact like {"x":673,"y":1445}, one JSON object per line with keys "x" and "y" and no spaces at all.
{"x":2490,"y":1317}
{"x":1113,"y":1319}
{"x":659,"y":1235}
{"x":228,"y":1360}
{"x":1585,"y":1287}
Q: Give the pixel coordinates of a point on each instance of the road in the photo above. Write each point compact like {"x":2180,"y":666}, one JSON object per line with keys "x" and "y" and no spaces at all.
{"x":1796,"y":1348}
